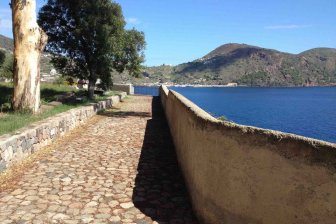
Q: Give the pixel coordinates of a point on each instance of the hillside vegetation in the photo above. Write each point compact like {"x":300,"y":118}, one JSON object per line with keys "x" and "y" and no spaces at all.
{"x":6,"y":43}
{"x":240,"y":63}
{"x":254,"y":66}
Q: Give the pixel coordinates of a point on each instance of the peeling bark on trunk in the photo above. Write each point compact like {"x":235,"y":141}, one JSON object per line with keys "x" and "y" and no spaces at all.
{"x":29,"y":42}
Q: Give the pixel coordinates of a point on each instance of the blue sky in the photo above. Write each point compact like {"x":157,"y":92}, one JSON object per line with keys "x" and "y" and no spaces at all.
{"x":179,"y":31}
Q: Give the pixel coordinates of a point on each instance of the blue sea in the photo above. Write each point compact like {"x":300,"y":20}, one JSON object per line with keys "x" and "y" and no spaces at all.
{"x":309,"y":112}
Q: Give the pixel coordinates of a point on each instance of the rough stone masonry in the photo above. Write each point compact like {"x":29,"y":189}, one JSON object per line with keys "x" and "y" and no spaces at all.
{"x":17,"y":146}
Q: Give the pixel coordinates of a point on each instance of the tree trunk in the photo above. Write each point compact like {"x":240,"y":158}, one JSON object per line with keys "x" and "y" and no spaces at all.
{"x":91,"y":88}
{"x":29,"y":41}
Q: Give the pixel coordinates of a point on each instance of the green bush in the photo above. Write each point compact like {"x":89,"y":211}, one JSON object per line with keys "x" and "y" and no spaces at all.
{"x":2,"y":57}
{"x":7,"y":69}
{"x":222,"y":118}
{"x":255,"y":79}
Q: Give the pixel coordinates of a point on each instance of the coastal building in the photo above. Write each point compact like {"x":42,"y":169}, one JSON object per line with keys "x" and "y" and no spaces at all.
{"x":232,"y":84}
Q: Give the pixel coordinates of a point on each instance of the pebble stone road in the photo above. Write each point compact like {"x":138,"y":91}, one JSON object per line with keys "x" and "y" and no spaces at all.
{"x":121,"y":168}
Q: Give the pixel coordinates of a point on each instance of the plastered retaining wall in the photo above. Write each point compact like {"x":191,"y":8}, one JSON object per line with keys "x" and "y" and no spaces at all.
{"x":128,"y":88}
{"x":240,"y":174}
{"x":15,"y":147}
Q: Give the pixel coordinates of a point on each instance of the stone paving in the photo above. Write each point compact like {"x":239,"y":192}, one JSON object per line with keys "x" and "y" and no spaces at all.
{"x":119,"y":169}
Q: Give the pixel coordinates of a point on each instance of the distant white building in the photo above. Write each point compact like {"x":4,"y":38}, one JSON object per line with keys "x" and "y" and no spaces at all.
{"x":232,"y":84}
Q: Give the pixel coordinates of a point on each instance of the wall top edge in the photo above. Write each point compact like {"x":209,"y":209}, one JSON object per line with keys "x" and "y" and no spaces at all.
{"x":281,"y":136}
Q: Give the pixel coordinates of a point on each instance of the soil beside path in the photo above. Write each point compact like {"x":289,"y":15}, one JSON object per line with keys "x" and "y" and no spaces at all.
{"x":121,"y":168}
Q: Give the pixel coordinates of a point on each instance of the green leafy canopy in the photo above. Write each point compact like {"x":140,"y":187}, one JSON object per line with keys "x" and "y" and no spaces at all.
{"x":2,"y":57}
{"x":88,"y":39}
{"x":6,"y":65}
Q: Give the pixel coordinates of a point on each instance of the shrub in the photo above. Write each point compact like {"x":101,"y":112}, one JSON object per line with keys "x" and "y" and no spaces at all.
{"x":222,"y":118}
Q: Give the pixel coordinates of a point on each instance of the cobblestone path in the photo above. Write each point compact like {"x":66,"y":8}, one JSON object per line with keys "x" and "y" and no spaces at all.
{"x":121,"y":168}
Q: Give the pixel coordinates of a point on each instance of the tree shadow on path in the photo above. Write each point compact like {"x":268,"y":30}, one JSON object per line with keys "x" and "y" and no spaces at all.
{"x":159,"y":191}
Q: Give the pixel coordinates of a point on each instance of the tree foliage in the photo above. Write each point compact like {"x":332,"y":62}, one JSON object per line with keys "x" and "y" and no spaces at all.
{"x":6,"y":67}
{"x":2,"y":57}
{"x":88,"y":39}
{"x":2,"y":62}
{"x":6,"y":43}
{"x":7,"y":70}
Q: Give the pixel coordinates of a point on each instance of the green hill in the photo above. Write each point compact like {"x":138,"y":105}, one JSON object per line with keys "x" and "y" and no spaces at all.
{"x":240,"y":63}
{"x":254,"y":66}
{"x":6,"y":43}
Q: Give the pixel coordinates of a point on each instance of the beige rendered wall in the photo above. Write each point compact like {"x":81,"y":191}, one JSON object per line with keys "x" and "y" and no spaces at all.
{"x":239,"y":174}
{"x":128,"y":88}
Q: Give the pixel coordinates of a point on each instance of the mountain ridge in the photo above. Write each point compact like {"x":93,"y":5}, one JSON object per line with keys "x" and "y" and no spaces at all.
{"x":240,"y":63}
{"x":256,"y":66}
{"x":6,"y":43}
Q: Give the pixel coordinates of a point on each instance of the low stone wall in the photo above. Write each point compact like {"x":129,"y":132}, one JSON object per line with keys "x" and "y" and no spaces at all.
{"x":128,"y":88}
{"x":17,"y":146}
{"x":240,"y":174}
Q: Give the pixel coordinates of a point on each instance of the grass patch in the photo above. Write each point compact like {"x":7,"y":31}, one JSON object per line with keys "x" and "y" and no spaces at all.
{"x":127,"y":97}
{"x":49,"y":91}
{"x":105,"y":96}
{"x":222,"y":118}
{"x":12,"y":121}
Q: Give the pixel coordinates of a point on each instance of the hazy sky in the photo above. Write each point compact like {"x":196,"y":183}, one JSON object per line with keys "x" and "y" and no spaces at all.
{"x":183,"y":30}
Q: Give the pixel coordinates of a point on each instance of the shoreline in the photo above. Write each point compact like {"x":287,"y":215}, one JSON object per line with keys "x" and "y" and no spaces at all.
{"x":225,"y":86}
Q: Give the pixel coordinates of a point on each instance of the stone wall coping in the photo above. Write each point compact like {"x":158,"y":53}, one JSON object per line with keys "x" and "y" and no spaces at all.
{"x":243,"y":174}
{"x":31,"y":127}
{"x":278,"y":135}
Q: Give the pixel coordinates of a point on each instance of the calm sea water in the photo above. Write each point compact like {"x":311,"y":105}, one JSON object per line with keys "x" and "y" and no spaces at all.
{"x":309,"y":112}
{"x":146,"y":90}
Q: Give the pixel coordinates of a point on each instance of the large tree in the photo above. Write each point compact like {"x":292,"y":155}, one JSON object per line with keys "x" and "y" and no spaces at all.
{"x":29,"y":41}
{"x":88,"y":39}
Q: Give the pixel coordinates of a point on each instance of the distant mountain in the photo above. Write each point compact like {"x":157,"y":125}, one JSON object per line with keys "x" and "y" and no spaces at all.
{"x":254,"y":66}
{"x":6,"y":43}
{"x":240,"y":63}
